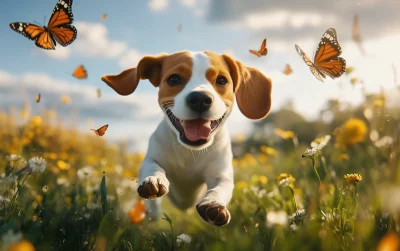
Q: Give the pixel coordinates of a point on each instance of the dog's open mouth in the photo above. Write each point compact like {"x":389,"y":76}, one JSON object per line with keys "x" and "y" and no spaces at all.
{"x":194,"y":132}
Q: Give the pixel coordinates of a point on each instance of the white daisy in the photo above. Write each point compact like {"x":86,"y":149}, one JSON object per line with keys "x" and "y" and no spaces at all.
{"x":277,"y":218}
{"x":37,"y":164}
{"x":183,"y":238}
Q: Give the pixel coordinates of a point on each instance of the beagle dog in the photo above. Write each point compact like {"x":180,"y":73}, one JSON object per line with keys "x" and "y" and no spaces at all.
{"x":189,"y":155}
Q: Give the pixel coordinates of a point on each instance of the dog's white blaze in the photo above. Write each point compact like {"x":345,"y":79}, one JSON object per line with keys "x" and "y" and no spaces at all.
{"x":198,"y":82}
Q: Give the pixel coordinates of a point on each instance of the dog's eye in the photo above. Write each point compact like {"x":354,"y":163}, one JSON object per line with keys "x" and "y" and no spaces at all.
{"x":221,"y":81}
{"x":174,"y":80}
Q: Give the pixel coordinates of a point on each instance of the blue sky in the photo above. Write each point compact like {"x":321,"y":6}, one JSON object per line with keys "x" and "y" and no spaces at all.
{"x":135,"y":28}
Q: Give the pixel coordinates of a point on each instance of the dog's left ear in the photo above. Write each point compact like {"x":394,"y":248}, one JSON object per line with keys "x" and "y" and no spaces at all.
{"x":125,"y":83}
{"x":252,"y":89}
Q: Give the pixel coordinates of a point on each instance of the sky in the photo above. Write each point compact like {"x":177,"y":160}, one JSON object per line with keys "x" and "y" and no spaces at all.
{"x":135,"y":28}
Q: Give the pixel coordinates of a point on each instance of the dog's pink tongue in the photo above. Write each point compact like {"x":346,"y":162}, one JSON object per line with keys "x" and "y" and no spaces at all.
{"x":196,"y":129}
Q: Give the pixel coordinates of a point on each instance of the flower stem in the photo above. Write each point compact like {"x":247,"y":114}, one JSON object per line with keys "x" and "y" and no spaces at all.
{"x":315,"y":169}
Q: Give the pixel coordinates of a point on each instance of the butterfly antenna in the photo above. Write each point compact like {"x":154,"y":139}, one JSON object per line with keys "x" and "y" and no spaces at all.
{"x":44,"y":19}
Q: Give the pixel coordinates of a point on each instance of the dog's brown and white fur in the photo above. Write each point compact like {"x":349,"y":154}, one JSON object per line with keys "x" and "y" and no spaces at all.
{"x":196,"y":92}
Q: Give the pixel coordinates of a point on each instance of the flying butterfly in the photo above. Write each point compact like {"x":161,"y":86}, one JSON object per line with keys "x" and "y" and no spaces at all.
{"x":38,"y":98}
{"x":288,"y":70}
{"x":104,"y":17}
{"x":356,"y":34}
{"x":80,"y":72}
{"x":180,"y":28}
{"x":101,"y":131}
{"x":58,"y":29}
{"x":263,"y":49}
{"x":326,"y":59}
{"x":98,"y":92}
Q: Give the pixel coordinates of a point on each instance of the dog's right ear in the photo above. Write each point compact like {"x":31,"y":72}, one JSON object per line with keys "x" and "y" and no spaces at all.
{"x":125,"y":83}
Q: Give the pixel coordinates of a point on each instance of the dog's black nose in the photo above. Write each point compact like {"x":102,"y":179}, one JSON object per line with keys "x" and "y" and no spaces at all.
{"x":199,"y":101}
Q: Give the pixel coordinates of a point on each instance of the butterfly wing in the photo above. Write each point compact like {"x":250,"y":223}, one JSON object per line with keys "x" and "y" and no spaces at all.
{"x":258,"y":54}
{"x":319,"y":75}
{"x":327,"y":58}
{"x":104,"y":17}
{"x":102,"y":130}
{"x":38,"y":98}
{"x":36,"y":33}
{"x":288,"y":70}
{"x":80,"y":72}
{"x":60,"y":23}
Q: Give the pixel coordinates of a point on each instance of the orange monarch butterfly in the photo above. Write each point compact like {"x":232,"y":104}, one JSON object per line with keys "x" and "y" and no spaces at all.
{"x":101,"y":131}
{"x":58,"y":29}
{"x":288,"y":70}
{"x":80,"y":72}
{"x":326,"y":59}
{"x":38,"y":98}
{"x":263,"y":49}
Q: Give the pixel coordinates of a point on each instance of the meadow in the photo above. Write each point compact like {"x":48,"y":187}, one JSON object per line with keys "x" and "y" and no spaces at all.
{"x":328,"y":184}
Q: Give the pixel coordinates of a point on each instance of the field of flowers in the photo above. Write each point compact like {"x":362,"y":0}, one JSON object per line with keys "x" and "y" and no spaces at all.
{"x":330,"y":184}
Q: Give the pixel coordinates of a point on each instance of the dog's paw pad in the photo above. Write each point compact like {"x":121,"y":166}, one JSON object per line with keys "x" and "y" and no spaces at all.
{"x":151,"y":188}
{"x":214,"y":213}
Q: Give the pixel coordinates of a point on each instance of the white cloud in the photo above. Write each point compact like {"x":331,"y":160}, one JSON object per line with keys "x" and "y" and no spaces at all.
{"x":158,"y":5}
{"x":59,"y":53}
{"x":93,"y":41}
{"x":188,"y":3}
{"x":285,"y":18}
{"x":130,"y":59}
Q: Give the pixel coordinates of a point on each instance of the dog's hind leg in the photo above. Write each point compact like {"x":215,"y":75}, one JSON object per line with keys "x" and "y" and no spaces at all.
{"x":153,"y":208}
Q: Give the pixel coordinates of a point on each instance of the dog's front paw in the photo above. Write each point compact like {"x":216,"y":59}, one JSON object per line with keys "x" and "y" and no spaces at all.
{"x":152,"y":187}
{"x":213,"y":212}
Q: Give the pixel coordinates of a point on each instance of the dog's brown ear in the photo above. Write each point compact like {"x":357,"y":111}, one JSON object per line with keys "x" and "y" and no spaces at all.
{"x":125,"y":83}
{"x":252,"y":89}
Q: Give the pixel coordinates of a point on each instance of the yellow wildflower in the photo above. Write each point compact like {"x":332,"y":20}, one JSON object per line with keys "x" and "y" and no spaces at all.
{"x":344,"y":156}
{"x":36,"y":121}
{"x":284,"y":134}
{"x":390,"y":242}
{"x":351,"y":132}
{"x":378,"y":103}
{"x":353,"y":178}
{"x":21,"y":246}
{"x":268,"y":150}
{"x":349,"y":70}
{"x":261,"y":179}
{"x":62,"y":165}
{"x":285,"y":179}
{"x":65,"y":99}
{"x":241,"y":185}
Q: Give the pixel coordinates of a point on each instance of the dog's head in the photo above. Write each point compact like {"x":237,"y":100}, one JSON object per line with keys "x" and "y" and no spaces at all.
{"x":197,"y":91}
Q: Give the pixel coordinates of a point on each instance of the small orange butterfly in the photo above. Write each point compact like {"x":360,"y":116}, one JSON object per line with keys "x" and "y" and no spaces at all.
{"x":179,"y":27}
{"x":80,"y":72}
{"x":104,"y":17}
{"x":263,"y":49}
{"x":38,"y":98}
{"x":138,"y":212}
{"x":356,"y":34}
{"x":288,"y":70}
{"x":98,"y":92}
{"x":101,"y":131}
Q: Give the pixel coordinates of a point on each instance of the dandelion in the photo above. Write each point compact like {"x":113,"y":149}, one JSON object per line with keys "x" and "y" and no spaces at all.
{"x":277,"y":218}
{"x":84,"y":172}
{"x":183,"y":238}
{"x":321,"y":142}
{"x":37,"y":164}
{"x":353,"y":178}
{"x":351,"y":133}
